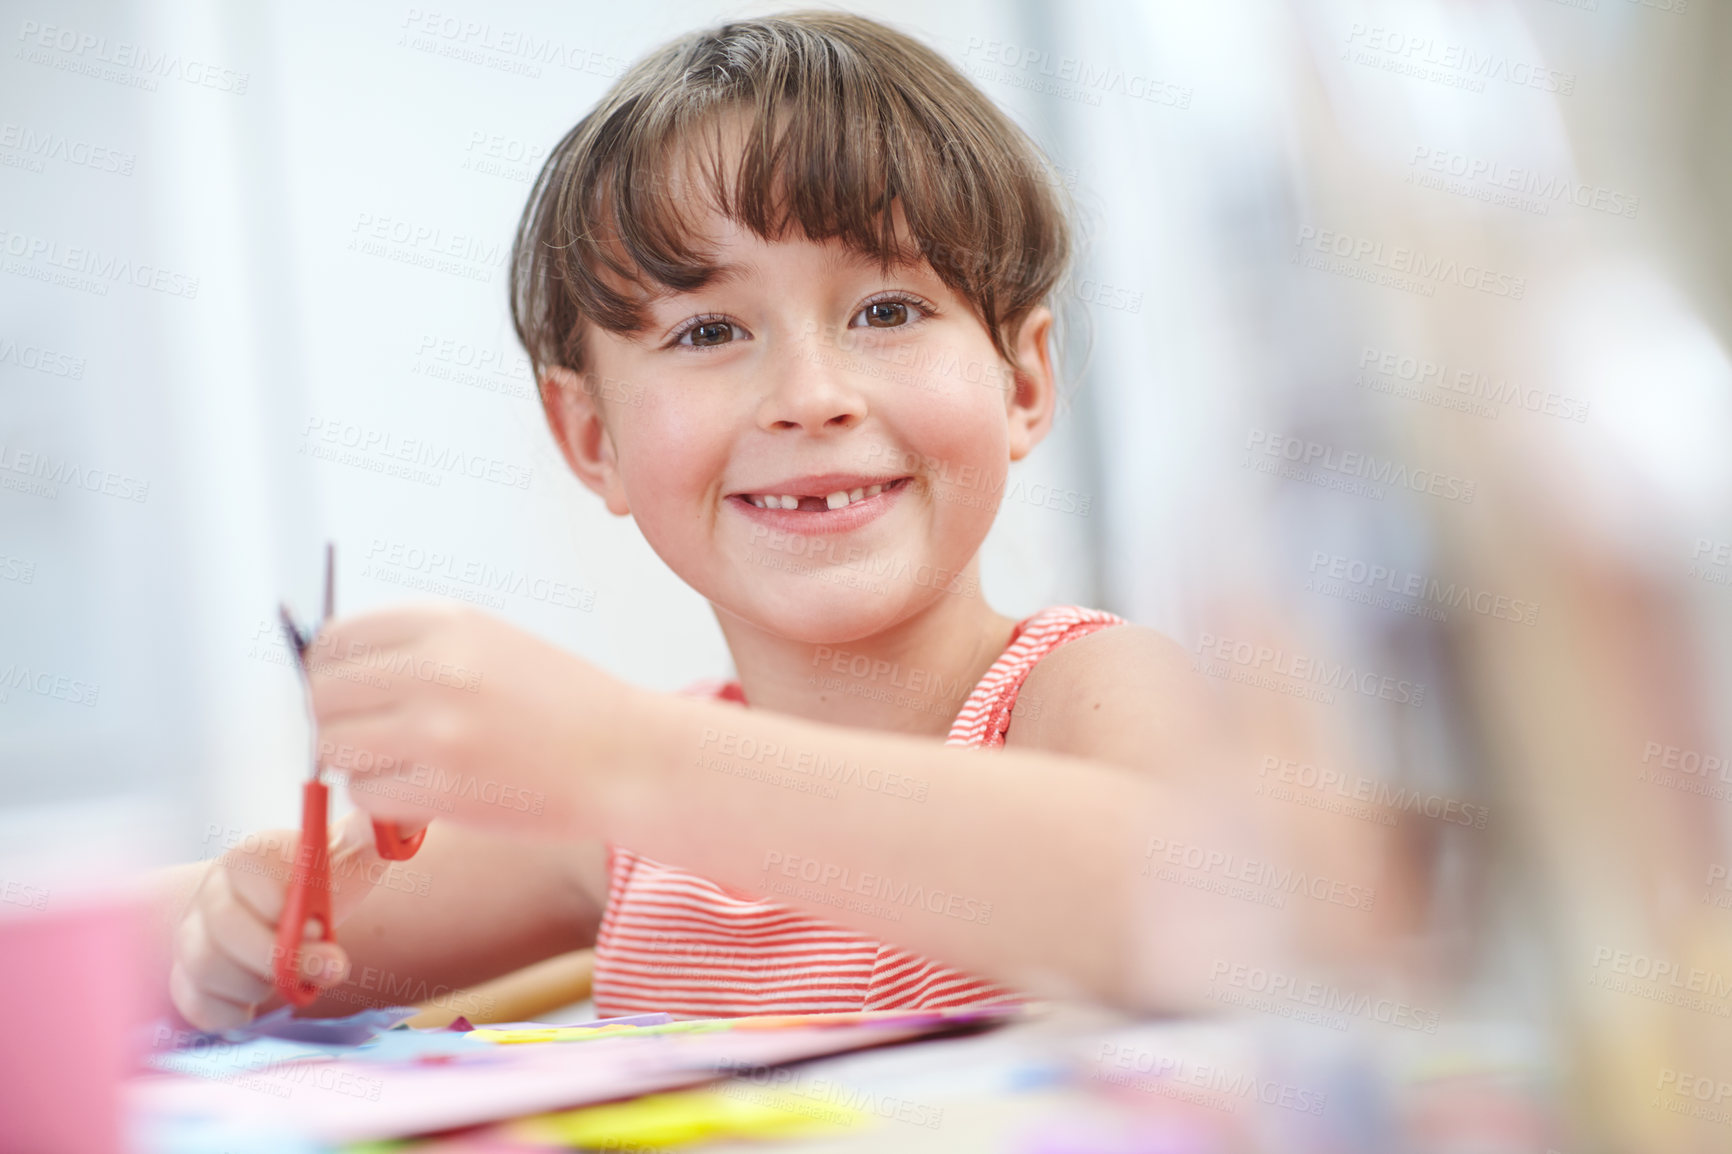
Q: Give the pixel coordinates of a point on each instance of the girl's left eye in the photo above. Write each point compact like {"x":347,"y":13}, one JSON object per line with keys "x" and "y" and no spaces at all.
{"x":889,"y":313}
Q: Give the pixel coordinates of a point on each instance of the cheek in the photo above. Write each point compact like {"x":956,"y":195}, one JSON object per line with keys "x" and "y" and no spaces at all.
{"x":958,"y":425}
{"x":669,"y":458}
{"x":957,"y":428}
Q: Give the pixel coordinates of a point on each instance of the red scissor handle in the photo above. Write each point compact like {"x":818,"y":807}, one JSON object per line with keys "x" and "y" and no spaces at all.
{"x":393,"y":843}
{"x":309,"y":897}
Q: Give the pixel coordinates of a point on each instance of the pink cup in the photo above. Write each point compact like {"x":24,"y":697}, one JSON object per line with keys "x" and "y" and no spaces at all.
{"x":69,"y":1004}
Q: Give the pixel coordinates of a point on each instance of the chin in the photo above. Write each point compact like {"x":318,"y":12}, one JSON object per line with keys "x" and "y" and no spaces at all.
{"x":833,"y":614}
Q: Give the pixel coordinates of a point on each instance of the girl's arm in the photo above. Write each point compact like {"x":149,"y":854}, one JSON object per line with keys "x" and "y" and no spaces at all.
{"x":1137,"y":875}
{"x":1017,"y":865}
{"x":1035,"y":867}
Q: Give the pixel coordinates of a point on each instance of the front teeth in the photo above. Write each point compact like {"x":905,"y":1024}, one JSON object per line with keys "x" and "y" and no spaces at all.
{"x":840,"y":499}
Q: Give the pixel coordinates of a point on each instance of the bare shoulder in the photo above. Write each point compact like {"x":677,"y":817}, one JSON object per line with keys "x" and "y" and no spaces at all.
{"x":1125,"y":694}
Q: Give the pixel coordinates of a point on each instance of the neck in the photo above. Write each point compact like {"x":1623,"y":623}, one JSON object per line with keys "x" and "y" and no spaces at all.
{"x":911,"y":678}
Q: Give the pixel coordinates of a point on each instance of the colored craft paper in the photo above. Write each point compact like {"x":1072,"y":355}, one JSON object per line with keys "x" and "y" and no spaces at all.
{"x":220,"y":1059}
{"x":351,"y":1030}
{"x":408,"y":1082}
{"x":263,"y":1048}
{"x":509,"y":1032}
{"x":657,"y":1121}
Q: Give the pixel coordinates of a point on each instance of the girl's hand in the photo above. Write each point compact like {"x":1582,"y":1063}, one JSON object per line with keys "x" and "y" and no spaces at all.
{"x":447,"y":713}
{"x":225,"y":944}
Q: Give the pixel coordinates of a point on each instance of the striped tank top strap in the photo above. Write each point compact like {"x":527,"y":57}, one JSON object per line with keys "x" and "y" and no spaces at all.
{"x":985,"y":716}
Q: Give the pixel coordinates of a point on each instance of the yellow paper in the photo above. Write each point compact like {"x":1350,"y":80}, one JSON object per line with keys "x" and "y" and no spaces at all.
{"x":659,"y":1121}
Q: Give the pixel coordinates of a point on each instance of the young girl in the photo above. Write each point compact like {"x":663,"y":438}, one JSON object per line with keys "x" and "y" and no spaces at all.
{"x":786,"y":291}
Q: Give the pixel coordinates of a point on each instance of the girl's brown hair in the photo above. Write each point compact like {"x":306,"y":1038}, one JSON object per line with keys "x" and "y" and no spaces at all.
{"x":843,"y":121}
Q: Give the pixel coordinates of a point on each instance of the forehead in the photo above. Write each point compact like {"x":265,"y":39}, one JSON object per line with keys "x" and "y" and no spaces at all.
{"x":737,"y":253}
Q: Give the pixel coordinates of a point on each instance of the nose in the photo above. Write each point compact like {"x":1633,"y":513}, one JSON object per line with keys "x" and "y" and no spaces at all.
{"x":809,"y":391}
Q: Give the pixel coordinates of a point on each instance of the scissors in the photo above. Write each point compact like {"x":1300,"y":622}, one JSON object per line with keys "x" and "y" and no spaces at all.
{"x":309,"y":896}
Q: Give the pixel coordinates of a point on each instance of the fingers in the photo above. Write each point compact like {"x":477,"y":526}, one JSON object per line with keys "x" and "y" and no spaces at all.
{"x":259,"y":878}
{"x":359,"y":665}
{"x":324,"y":964}
{"x":200,"y":1006}
{"x":204,"y":1011}
{"x":225,"y":950}
{"x":352,"y":841}
{"x":216,"y":972}
{"x":343,"y":689}
{"x":394,"y":764}
{"x":242,"y":942}
{"x":225,"y":959}
{"x":385,"y":628}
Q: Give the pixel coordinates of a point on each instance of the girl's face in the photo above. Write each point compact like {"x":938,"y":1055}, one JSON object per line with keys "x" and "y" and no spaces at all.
{"x":815,"y":446}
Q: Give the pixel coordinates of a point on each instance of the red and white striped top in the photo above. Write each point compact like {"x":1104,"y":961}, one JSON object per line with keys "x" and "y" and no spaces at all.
{"x":674,"y":942}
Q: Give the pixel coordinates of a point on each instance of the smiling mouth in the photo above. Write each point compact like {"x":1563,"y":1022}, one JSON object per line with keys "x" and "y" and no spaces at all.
{"x":812,"y":503}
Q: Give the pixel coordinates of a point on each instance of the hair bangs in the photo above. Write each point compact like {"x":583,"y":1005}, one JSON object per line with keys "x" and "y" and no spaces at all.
{"x":823,"y":124}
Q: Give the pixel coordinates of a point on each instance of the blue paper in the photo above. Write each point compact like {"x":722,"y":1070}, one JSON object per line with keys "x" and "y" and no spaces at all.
{"x":220,"y":1059}
{"x":349,"y":1031}
{"x":276,"y":1038}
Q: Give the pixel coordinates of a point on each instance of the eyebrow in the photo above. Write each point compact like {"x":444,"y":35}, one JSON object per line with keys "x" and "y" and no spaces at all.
{"x":726,"y":273}
{"x":723,"y":274}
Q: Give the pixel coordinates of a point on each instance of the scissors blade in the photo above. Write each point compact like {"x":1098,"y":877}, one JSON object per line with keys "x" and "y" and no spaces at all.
{"x":297,"y":640}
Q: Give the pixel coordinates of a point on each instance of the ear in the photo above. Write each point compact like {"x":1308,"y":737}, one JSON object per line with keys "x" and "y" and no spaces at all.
{"x":574,"y":414}
{"x":1034,"y":391}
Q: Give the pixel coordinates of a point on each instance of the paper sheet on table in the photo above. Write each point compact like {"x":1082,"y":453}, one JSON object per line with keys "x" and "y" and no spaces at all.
{"x":409,"y":1087}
